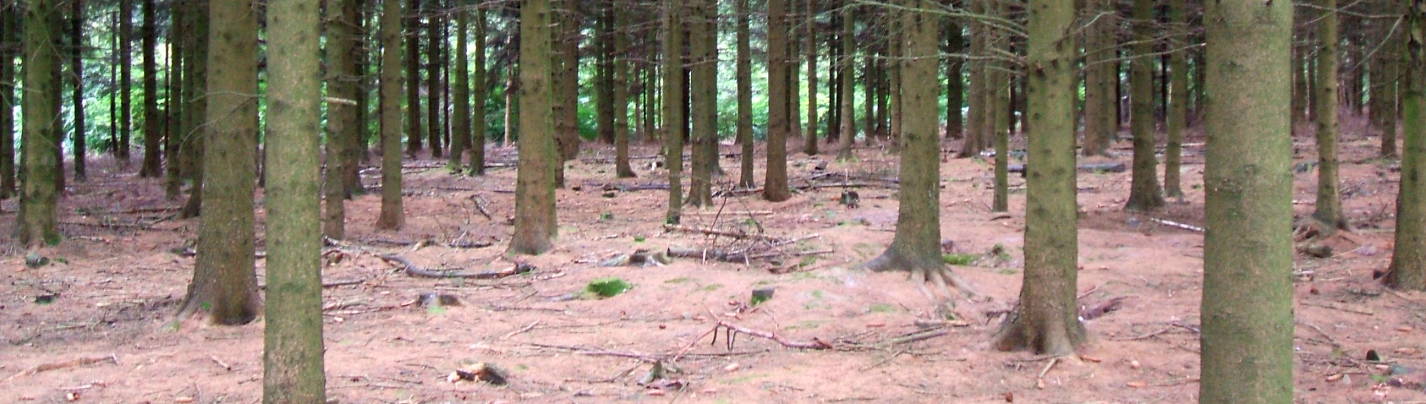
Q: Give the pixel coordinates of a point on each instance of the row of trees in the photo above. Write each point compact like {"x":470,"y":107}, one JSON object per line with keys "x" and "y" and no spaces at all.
{"x":664,"y":82}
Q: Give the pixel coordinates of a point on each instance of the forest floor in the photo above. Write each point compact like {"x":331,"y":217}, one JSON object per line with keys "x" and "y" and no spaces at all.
{"x":90,"y":326}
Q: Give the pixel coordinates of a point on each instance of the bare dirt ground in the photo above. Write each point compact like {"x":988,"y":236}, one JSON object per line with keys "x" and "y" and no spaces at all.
{"x":119,"y":275}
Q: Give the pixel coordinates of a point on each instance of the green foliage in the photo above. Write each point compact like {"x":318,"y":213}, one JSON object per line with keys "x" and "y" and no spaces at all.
{"x":606,"y":287}
{"x":959,"y":259}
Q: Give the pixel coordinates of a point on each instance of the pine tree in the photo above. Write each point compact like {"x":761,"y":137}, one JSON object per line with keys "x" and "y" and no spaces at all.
{"x":1144,"y":191}
{"x":535,"y":225}
{"x":392,"y":217}
{"x":775,"y":184}
{"x":745,"y":97}
{"x":1408,"y":260}
{"x":673,"y":105}
{"x":36,"y":218}
{"x":1329,"y":194}
{"x":152,"y":134}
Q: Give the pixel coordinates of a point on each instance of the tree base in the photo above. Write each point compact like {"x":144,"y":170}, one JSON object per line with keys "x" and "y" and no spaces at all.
{"x":1047,"y":337}
{"x":931,"y":271}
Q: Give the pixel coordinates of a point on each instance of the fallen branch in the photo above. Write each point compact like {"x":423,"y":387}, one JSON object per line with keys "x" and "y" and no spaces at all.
{"x":709,"y":254}
{"x":1103,"y":308}
{"x":419,"y":272}
{"x":732,"y":330}
{"x":66,"y":364}
{"x":1339,"y":307}
{"x":1171,"y":223}
{"x":714,"y":232}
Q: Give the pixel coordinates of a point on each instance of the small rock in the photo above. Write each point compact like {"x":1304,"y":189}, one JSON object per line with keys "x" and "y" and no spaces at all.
{"x":35,"y":260}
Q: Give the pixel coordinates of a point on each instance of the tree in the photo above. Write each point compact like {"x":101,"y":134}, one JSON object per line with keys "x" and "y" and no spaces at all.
{"x":126,"y":38}
{"x":1144,"y":192}
{"x":916,"y":247}
{"x":1329,"y":196}
{"x":224,"y":284}
{"x":775,"y":184}
{"x":621,"y":96}
{"x":535,"y":225}
{"x":196,"y":81}
{"x":1247,"y":293}
{"x":1408,"y":260}
{"x":460,"y":118}
{"x":391,"y":214}
{"x":36,"y":218}
{"x":810,"y":134}
{"x":848,"y":131}
{"x":76,"y":36}
{"x":151,"y":165}
{"x":8,"y":23}
{"x":1046,"y":320}
{"x":1101,"y":121}
{"x":745,"y":96}
{"x":955,"y":82}
{"x":343,"y":121}
{"x":292,"y":343}
{"x":477,"y":142}
{"x":434,"y":85}
{"x":673,"y":105}
{"x":1178,"y":100}
{"x":414,"y":130}
{"x":702,"y":38}
{"x":996,"y":121}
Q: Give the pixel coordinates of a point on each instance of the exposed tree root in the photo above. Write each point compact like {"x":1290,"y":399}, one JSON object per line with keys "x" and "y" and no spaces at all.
{"x":419,"y":272}
{"x":1047,"y":337}
{"x":931,"y":271}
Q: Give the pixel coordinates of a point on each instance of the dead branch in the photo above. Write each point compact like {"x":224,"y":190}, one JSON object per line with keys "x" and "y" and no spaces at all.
{"x":709,"y":254}
{"x":1103,"y":308}
{"x":66,"y":364}
{"x":419,"y":272}
{"x":1171,"y":223}
{"x":732,"y":330}
{"x":480,"y":207}
{"x":715,"y":232}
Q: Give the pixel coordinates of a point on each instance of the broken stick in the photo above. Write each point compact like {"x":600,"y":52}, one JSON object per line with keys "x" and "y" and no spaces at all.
{"x":419,"y":272}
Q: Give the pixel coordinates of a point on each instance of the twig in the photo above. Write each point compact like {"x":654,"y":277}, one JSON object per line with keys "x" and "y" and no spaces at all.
{"x":599,"y":352}
{"x":419,"y":272}
{"x":1324,"y":334}
{"x":526,"y":329}
{"x":1040,"y":379}
{"x":480,"y":207}
{"x":1171,"y":223}
{"x":1339,"y":307}
{"x":220,"y":363}
{"x":733,"y":329}
{"x":715,"y":232}
{"x":66,"y":364}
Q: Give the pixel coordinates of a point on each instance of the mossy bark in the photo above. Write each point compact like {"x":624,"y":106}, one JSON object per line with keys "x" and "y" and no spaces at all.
{"x":1046,"y":319}
{"x":1144,"y":191}
{"x":1247,"y":288}
{"x":40,"y":137}
{"x":224,"y":285}
{"x":1329,"y":194}
{"x":1408,"y":260}
{"x":775,"y":187}
{"x":391,"y":216}
{"x":292,"y":343}
{"x":535,"y":223}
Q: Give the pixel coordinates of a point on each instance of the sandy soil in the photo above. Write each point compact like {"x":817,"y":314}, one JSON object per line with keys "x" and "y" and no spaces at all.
{"x":118,"y":278}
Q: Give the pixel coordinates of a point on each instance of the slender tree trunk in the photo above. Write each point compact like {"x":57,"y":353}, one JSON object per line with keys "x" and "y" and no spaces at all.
{"x":1144,"y":191}
{"x":175,"y":102}
{"x":8,"y":35}
{"x":975,"y":137}
{"x":1247,"y":293}
{"x":434,"y":86}
{"x":775,"y":185}
{"x":1299,"y":86}
{"x":152,"y":146}
{"x":392,"y":217}
{"x":477,"y":141}
{"x":36,"y":219}
{"x":604,"y":77}
{"x":224,"y":284}
{"x":794,"y":70}
{"x":1046,"y":319}
{"x":1408,"y":259}
{"x":356,"y":146}
{"x":1178,"y":100}
{"x":745,"y":96}
{"x":195,"y":131}
{"x":461,"y":117}
{"x":535,"y":223}
{"x":414,"y":129}
{"x":1329,"y":198}
{"x":955,"y":80}
{"x":621,"y":63}
{"x":292,"y":343}
{"x":809,"y":144}
{"x":566,"y":85}
{"x":343,"y":87}
{"x":1388,"y":89}
{"x":1099,"y":125}
{"x":703,"y":53}
{"x":77,"y":73}
{"x":848,"y":132}
{"x":997,"y":119}
{"x":126,"y":38}
{"x":673,"y":105}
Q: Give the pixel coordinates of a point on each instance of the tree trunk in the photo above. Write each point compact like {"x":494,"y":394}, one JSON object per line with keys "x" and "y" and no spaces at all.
{"x":292,"y":343}
{"x":621,"y":67}
{"x":224,"y":284}
{"x":1247,"y":293}
{"x":126,"y":38}
{"x":566,"y":84}
{"x":392,"y":217}
{"x":1408,"y":259}
{"x":997,"y":119}
{"x":36,"y":217}
{"x":673,"y":105}
{"x":1299,"y":86}
{"x":414,"y":129}
{"x":8,"y":22}
{"x":1387,"y":88}
{"x":197,"y":102}
{"x":77,"y":72}
{"x":477,"y":141}
{"x":535,"y":225}
{"x":1099,"y":122}
{"x":356,"y":147}
{"x":343,"y":87}
{"x":1329,"y":198}
{"x":701,"y":41}
{"x":1177,"y":115}
{"x":1046,"y":320}
{"x":434,"y":85}
{"x":1144,"y":191}
{"x":848,"y":132}
{"x":745,"y":97}
{"x":916,"y":246}
{"x":775,"y":185}
{"x":603,"y":73}
{"x":975,"y":137}
{"x":151,"y":166}
{"x":809,"y":136}
{"x":955,"y":80}
{"x":461,"y":117}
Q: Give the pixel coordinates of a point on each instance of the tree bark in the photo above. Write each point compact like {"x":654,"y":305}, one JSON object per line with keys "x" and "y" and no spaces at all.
{"x":477,"y":141}
{"x":1144,"y":191}
{"x":703,"y":51}
{"x":1408,"y":260}
{"x":152,"y":133}
{"x":1178,"y":100}
{"x":77,"y":100}
{"x":809,"y":136}
{"x":621,"y":65}
{"x":955,"y":80}
{"x":36,"y":217}
{"x":535,"y":225}
{"x":392,"y":217}
{"x":415,"y":131}
{"x":434,"y":85}
{"x":1247,"y":293}
{"x":775,"y":184}
{"x":126,"y":38}
{"x":1046,"y":319}
{"x":292,"y":342}
{"x":224,"y":285}
{"x":460,"y":90}
{"x":745,"y":97}
{"x":847,"y":134}
{"x":343,"y":87}
{"x":673,"y":105}
{"x":8,"y":22}
{"x":1329,"y":198}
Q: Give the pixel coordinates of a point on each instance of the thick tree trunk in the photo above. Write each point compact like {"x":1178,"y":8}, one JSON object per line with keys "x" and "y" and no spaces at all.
{"x":1247,"y":293}
{"x":1408,"y":260}
{"x":673,"y":105}
{"x":197,"y":102}
{"x":224,"y":284}
{"x":414,"y":129}
{"x":392,"y":217}
{"x":460,"y":91}
{"x":1144,"y":191}
{"x":703,"y":54}
{"x":152,"y":146}
{"x":343,"y":87}
{"x":775,"y":185}
{"x":745,"y":97}
{"x":847,"y":134}
{"x":535,"y":225}
{"x":1046,"y":319}
{"x":292,"y":343}
{"x":1329,"y":197}
{"x":36,"y":217}
{"x":1099,"y":125}
{"x":1177,"y":115}
{"x":477,"y":141}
